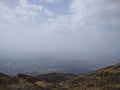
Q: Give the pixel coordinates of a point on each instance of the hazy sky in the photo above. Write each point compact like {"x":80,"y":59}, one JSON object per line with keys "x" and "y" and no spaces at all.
{"x":89,"y":27}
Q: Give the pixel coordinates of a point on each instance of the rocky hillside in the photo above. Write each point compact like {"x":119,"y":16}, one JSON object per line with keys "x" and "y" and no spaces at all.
{"x":104,"y":79}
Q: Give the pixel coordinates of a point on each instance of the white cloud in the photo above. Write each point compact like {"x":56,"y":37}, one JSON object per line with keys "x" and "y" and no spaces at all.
{"x":92,"y":27}
{"x":50,"y":1}
{"x":23,"y":10}
{"x":28,"y":10}
{"x":49,"y":12}
{"x":94,"y":12}
{"x":88,"y":29}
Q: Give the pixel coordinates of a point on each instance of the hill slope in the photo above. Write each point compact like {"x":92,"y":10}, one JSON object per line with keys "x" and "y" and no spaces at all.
{"x":104,"y":79}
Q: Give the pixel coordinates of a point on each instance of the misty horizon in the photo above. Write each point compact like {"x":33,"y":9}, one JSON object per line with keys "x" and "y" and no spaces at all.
{"x":75,"y":34}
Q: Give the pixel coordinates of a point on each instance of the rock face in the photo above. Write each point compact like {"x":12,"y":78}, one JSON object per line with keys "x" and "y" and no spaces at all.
{"x":104,"y":79}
